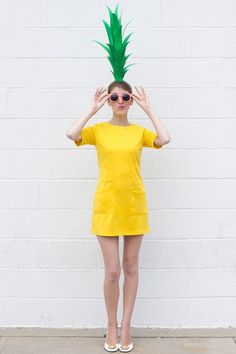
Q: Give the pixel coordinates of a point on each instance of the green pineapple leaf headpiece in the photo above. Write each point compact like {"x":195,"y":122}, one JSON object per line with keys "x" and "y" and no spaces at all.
{"x":116,"y":46}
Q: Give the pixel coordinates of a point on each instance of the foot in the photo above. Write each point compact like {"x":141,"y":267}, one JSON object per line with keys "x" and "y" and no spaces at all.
{"x":111,"y":335}
{"x":125,"y":336}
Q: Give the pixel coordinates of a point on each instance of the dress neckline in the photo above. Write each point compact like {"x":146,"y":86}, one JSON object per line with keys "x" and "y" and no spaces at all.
{"x":120,"y":126}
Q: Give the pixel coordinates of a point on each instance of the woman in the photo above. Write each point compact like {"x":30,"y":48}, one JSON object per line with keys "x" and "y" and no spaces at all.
{"x":120,"y":203}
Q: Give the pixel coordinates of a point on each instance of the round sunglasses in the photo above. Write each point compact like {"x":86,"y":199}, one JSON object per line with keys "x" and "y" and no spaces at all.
{"x":125,"y":96}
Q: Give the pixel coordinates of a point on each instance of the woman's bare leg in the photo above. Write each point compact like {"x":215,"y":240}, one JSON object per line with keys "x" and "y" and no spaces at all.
{"x":131,"y":275}
{"x":110,"y":250}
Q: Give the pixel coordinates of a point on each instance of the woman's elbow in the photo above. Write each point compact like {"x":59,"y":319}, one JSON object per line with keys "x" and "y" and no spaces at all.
{"x":167,"y":141}
{"x":70,"y":136}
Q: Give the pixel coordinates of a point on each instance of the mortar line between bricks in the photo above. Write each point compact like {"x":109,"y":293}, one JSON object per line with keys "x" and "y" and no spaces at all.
{"x":140,"y":26}
{"x":101,"y":268}
{"x":92,"y":87}
{"x":65,"y":179}
{"x":135,"y":57}
{"x":73,"y":239}
{"x":43,"y":118}
{"x":86,"y":298}
{"x":102,"y":335}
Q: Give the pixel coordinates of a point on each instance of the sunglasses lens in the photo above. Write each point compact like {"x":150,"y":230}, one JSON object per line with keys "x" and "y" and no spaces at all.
{"x":114,"y":97}
{"x":126,"y":97}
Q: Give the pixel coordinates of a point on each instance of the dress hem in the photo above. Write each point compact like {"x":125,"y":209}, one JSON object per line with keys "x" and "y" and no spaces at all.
{"x":122,"y":233}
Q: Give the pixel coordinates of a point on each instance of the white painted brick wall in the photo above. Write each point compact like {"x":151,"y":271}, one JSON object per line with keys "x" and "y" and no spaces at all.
{"x":51,"y":267}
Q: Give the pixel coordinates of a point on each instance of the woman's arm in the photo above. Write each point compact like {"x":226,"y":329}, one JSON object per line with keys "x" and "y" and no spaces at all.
{"x":99,"y":98}
{"x":74,"y":132}
{"x":142,"y":99}
{"x":163,"y":135}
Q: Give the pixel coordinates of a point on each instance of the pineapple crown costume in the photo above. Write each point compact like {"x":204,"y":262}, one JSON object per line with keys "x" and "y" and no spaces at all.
{"x":117,"y":45}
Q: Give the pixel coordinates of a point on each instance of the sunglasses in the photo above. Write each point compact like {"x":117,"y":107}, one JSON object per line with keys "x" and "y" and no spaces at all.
{"x":125,"y":96}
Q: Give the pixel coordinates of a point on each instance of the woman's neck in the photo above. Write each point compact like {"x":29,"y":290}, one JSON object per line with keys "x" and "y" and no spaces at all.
{"x":119,"y":119}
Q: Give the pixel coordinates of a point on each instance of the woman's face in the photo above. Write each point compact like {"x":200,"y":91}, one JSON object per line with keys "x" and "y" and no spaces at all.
{"x":120,"y":106}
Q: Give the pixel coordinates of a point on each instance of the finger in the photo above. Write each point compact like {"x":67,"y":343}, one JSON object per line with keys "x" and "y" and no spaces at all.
{"x":101,"y":92}
{"x":141,"y":92}
{"x":104,"y":99}
{"x":137,"y":89}
{"x":100,"y":89}
{"x":135,"y":96}
{"x":103,"y":95}
{"x":142,"y":88}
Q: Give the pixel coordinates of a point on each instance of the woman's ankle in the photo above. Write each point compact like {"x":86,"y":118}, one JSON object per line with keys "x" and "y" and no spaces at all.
{"x":112,"y":324}
{"x":125,"y":324}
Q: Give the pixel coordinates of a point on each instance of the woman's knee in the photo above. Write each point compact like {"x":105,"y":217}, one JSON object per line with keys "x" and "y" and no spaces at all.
{"x":130,"y":267}
{"x":113,"y":273}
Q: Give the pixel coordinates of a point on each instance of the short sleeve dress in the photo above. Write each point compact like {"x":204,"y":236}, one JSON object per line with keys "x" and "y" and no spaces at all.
{"x":120,"y":204}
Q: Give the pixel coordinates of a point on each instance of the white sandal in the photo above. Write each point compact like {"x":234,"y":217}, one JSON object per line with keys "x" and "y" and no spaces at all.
{"x":126,"y":348}
{"x":110,"y":347}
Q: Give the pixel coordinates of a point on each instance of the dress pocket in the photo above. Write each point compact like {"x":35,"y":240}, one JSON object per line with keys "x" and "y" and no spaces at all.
{"x":139,"y":202}
{"x":102,"y":202}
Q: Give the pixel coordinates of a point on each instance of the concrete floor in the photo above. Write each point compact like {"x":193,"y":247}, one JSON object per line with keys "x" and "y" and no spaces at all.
{"x":90,"y":341}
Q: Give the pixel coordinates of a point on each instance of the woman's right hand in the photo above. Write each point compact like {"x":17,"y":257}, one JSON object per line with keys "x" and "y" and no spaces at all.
{"x":100,"y":97}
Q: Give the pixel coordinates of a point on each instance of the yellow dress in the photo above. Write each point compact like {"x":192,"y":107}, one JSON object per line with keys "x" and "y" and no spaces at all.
{"x":120,"y":204}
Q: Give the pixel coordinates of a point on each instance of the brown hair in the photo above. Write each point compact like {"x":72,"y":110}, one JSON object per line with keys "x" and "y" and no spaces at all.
{"x":123,"y":84}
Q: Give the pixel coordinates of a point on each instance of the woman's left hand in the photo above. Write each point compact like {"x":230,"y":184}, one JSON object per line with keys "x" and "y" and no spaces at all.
{"x":141,"y":98}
